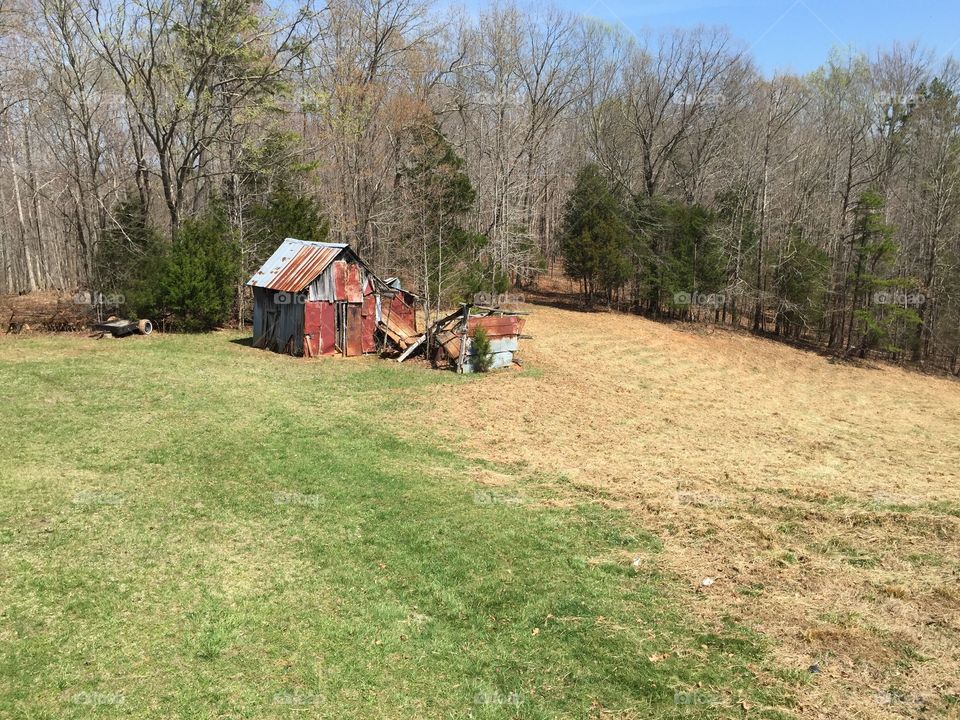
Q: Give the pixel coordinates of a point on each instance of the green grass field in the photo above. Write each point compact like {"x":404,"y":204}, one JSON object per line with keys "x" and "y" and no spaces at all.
{"x":190,"y":528}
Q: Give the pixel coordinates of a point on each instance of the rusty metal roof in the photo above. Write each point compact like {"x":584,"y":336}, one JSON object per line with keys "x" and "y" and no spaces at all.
{"x":295,"y":264}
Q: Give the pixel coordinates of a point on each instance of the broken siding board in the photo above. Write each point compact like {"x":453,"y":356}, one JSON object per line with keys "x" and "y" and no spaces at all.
{"x":322,"y":287}
{"x":400,"y":309}
{"x":369,"y":315}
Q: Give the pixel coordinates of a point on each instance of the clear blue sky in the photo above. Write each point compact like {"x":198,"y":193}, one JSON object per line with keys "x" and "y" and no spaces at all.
{"x":794,"y":34}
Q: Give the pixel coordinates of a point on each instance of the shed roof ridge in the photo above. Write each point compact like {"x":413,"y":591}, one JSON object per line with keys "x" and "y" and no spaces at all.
{"x":316,"y":243}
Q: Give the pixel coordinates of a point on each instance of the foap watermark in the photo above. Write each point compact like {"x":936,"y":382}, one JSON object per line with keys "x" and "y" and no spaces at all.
{"x":495,"y":697}
{"x":695,"y":697}
{"x":497,"y":299}
{"x":95,"y":297}
{"x":492,"y":497}
{"x":900,"y":298}
{"x":296,"y":698}
{"x":499,"y":99}
{"x":699,"y":499}
{"x":698,"y":298}
{"x":887,"y":98}
{"x":295,"y":498}
{"x":85,"y":697}
{"x":95,"y":497}
{"x":882,"y":498}
{"x":704,"y":99}
{"x":289,"y":298}
{"x":894,"y":697}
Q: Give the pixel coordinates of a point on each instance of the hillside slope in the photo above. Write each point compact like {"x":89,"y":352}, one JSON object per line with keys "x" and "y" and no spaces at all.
{"x":823,"y":498}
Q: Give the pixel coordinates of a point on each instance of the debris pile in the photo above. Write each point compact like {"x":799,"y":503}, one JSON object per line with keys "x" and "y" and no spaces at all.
{"x":51,"y":310}
{"x":449,"y":341}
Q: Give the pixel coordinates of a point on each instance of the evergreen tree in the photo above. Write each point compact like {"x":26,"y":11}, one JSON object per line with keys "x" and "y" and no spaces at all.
{"x":440,"y":196}
{"x":188,"y":283}
{"x":595,"y":237}
{"x":128,"y":250}
{"x":684,"y":259}
{"x":196,"y":287}
{"x":285,"y":213}
{"x":800,"y":282}
{"x":872,"y":317}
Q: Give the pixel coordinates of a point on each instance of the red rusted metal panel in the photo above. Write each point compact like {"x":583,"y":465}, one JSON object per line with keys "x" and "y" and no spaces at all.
{"x":319,"y":322}
{"x":328,"y":328}
{"x":398,"y":320}
{"x":354,"y":330}
{"x":403,"y":312}
{"x":369,"y":313}
{"x":311,"y":329}
{"x":497,"y":326}
{"x":354,"y":287}
{"x":340,"y":280}
{"x":346,"y":282}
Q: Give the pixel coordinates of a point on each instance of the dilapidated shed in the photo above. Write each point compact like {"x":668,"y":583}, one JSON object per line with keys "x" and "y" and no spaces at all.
{"x":313,"y":298}
{"x":453,"y":337}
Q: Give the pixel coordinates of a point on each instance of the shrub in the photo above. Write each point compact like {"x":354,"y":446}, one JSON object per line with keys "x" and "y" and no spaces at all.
{"x":482,"y":351}
{"x":190,"y":282}
{"x":198,"y":285}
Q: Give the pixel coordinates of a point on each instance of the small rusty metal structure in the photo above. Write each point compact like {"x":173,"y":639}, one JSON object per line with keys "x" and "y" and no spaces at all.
{"x":312,"y":299}
{"x":451,"y":338}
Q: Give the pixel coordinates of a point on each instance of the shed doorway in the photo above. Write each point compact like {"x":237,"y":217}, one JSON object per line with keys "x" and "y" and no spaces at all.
{"x":350,"y":328}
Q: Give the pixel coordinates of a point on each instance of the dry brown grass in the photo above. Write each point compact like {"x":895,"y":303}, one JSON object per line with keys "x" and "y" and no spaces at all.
{"x":823,"y":497}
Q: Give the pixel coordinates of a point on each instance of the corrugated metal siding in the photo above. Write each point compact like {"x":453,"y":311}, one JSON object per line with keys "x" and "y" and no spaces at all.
{"x":322,"y":287}
{"x":275,"y":324}
{"x":295,"y":264}
{"x":501,"y":353}
{"x":497,"y":325}
{"x":290,"y":326}
{"x":260,"y":299}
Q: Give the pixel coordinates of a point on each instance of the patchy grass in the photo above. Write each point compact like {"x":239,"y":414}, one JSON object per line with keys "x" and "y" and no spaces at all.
{"x":191,"y":528}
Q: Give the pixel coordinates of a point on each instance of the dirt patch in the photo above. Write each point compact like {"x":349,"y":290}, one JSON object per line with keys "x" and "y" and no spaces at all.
{"x":822,"y":498}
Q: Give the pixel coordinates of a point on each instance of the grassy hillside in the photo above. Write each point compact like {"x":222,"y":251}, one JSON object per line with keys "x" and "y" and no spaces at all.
{"x":192,"y":528}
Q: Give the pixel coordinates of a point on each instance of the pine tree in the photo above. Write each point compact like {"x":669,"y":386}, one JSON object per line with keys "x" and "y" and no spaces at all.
{"x":595,"y":236}
{"x":188,"y":283}
{"x":682,"y":256}
{"x":440,"y":196}
{"x":197,"y":285}
{"x":874,"y":320}
{"x":285,"y":213}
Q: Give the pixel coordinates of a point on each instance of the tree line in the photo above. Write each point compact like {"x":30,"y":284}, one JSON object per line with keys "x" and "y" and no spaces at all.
{"x":164,"y":148}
